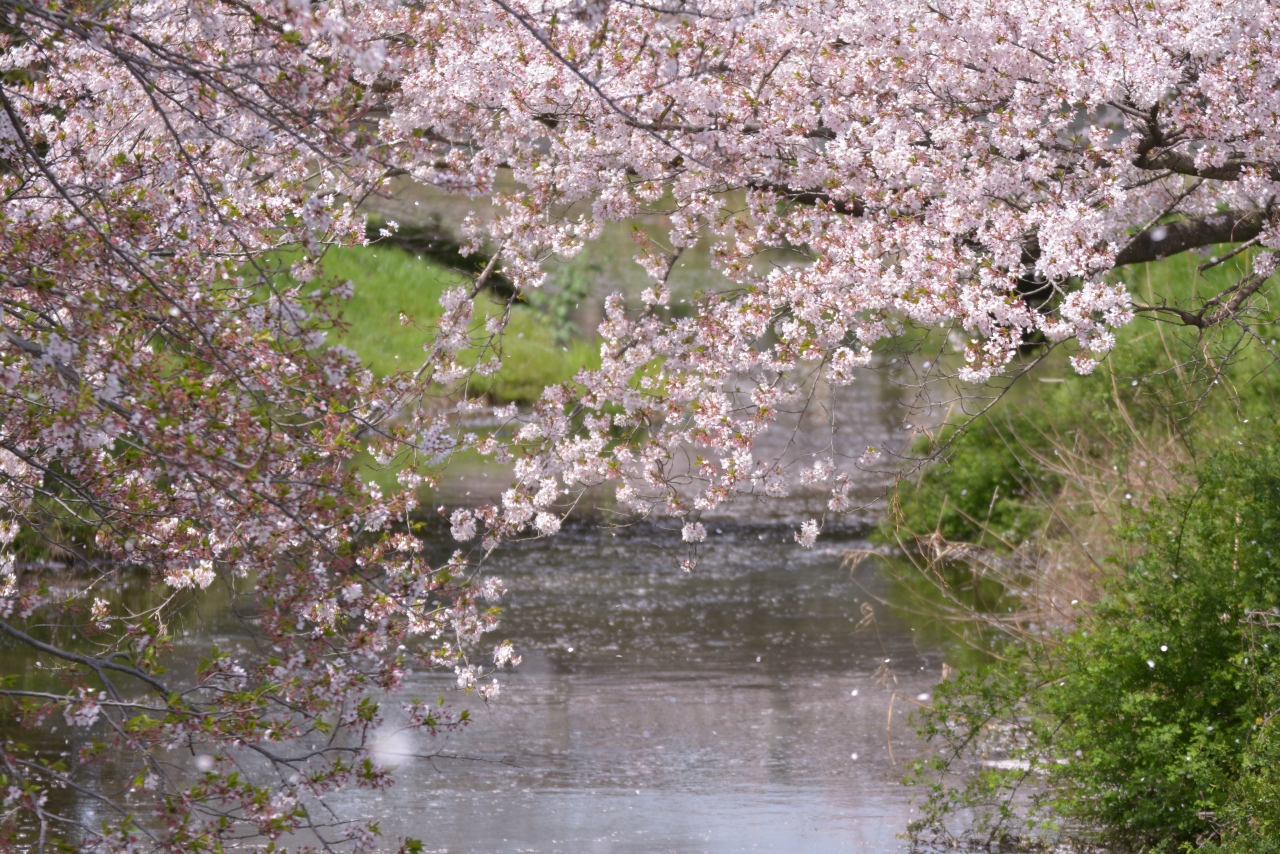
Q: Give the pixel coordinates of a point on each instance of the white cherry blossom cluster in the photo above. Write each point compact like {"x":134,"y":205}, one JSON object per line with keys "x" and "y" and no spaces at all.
{"x":975,"y":165}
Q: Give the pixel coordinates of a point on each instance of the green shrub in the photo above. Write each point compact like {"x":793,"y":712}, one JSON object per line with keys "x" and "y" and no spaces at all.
{"x":985,"y":491}
{"x":1162,"y":385}
{"x":1250,"y":820}
{"x":1162,"y":686}
{"x":1147,"y":718}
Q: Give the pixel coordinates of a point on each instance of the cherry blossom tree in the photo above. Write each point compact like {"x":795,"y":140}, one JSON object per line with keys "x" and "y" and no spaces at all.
{"x":984,"y":167}
{"x":169,"y":404}
{"x":172,"y":174}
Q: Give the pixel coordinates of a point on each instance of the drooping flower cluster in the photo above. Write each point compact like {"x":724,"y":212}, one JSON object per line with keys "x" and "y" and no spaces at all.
{"x":172,"y":173}
{"x":975,"y":165}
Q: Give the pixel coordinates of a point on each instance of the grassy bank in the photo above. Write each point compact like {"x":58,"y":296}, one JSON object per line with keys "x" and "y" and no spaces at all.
{"x":391,"y":283}
{"x":1135,"y":515}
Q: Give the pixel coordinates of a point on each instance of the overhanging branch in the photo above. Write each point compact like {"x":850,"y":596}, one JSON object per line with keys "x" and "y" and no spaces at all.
{"x":1183,"y":163}
{"x":1165,"y":239}
{"x":1216,"y":309}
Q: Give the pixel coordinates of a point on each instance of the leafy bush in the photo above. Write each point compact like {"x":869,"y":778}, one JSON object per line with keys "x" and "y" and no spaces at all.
{"x":1162,"y":688}
{"x":979,"y":493}
{"x":1250,"y":820}
{"x":1147,"y":722}
{"x":1150,"y":721}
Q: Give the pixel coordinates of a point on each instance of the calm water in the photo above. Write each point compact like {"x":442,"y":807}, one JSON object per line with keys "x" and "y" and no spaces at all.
{"x":655,"y":710}
{"x":658,"y":710}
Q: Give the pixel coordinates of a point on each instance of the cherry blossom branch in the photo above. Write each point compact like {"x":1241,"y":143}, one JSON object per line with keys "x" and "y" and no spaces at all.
{"x":1167,"y":239}
{"x":97,"y":665}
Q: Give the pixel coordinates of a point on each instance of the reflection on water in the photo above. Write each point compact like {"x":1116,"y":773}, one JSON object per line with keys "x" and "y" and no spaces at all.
{"x":658,"y":710}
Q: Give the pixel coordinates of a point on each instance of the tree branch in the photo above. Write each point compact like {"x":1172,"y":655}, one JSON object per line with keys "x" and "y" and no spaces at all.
{"x":1165,"y":239}
{"x":1225,"y":304}
{"x":1184,"y":164}
{"x":96,"y":664}
{"x":851,"y":207}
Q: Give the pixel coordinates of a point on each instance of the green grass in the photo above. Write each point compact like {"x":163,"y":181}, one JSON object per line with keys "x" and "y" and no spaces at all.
{"x":390,"y":282}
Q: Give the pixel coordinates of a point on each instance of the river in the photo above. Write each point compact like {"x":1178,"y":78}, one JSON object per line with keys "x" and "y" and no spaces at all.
{"x":732,"y":708}
{"x":747,"y":705}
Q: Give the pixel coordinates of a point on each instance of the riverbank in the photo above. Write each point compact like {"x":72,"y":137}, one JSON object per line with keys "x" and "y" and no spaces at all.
{"x":1134,"y":685}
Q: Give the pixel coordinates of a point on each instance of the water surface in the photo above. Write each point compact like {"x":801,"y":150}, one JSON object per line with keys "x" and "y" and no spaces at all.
{"x":658,"y":710}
